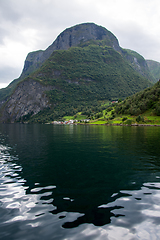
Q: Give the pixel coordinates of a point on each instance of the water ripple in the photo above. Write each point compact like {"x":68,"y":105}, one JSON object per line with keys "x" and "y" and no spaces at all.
{"x":13,"y":192}
{"x":27,"y":210}
{"x":139,"y":214}
{"x":72,"y":197}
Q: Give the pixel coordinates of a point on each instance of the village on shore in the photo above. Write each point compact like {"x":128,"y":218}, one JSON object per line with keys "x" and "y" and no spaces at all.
{"x":71,"y":122}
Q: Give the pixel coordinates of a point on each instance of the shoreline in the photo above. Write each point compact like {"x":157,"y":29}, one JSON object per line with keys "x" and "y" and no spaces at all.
{"x":119,"y":124}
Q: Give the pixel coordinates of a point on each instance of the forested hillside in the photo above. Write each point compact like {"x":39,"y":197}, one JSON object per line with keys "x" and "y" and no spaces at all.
{"x":146,"y":100}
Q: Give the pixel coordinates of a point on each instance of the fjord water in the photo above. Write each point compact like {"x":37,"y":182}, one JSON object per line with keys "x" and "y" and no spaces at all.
{"x":79,"y":182}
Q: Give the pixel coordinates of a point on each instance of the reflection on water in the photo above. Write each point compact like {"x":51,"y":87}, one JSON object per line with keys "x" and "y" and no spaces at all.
{"x":79,"y":182}
{"x":141,"y":213}
{"x":22,"y":215}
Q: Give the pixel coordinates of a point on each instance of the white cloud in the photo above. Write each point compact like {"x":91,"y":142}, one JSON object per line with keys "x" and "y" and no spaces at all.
{"x":31,"y":25}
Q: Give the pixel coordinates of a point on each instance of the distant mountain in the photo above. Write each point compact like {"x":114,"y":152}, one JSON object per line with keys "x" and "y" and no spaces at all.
{"x":84,"y":66}
{"x":139,"y":64}
{"x":154,"y":68}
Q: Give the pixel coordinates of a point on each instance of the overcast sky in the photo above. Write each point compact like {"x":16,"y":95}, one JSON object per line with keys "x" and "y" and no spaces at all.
{"x":30,"y":25}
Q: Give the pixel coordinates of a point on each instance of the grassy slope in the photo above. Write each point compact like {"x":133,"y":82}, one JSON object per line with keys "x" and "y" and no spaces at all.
{"x":146,"y":119}
{"x":141,"y":108}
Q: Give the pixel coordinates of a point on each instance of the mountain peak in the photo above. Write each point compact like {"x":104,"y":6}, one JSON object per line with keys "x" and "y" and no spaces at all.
{"x":77,"y":34}
{"x":70,"y":37}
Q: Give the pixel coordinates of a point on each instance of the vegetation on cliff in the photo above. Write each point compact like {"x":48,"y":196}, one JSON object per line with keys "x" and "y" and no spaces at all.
{"x":154,"y":68}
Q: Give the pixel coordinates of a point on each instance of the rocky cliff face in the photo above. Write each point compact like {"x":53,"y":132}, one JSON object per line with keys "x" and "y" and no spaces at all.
{"x":138,"y":63}
{"x":70,"y":37}
{"x":28,"y":98}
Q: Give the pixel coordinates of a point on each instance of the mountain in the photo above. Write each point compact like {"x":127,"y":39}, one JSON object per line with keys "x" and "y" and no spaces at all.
{"x":83,"y":67}
{"x":154,"y":68}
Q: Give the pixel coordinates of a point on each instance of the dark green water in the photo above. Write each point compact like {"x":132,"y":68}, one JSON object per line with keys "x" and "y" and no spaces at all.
{"x":79,"y":182}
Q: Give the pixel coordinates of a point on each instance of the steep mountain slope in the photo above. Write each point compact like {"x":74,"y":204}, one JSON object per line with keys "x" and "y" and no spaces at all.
{"x":154,"y":68}
{"x":83,"y":66}
{"x":139,"y":64}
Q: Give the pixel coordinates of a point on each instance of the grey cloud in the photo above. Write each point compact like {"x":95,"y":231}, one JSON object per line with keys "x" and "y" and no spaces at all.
{"x":8,"y":11}
{"x":39,"y":13}
{"x":134,"y":37}
{"x":48,"y":18}
{"x":8,"y":73}
{"x":3,"y":33}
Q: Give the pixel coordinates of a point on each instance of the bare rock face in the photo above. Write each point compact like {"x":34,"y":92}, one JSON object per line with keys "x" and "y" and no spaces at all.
{"x":28,"y":98}
{"x":81,"y":33}
{"x":68,"y":38}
